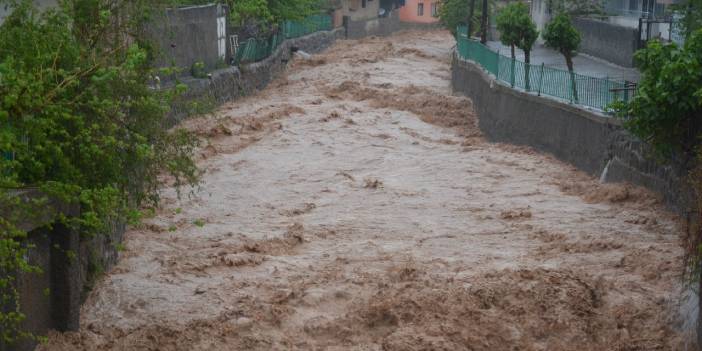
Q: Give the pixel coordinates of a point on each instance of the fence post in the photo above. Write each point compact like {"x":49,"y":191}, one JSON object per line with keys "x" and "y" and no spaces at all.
{"x":512,"y":73}
{"x":541,"y":79}
{"x":572,"y":85}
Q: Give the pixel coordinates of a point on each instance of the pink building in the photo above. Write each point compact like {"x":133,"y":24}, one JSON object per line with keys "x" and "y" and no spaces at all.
{"x":420,"y":11}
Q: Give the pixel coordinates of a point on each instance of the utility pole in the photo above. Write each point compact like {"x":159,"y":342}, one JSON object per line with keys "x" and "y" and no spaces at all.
{"x":471,"y":12}
{"x":484,"y":23}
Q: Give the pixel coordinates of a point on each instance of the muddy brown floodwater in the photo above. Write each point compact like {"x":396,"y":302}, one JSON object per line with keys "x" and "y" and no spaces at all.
{"x":354,"y":205}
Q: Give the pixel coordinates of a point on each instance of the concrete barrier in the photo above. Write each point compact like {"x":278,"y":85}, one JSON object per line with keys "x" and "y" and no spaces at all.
{"x":611,"y":42}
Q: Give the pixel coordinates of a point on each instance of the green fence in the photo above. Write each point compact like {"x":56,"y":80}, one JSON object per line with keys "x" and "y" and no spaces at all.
{"x":579,"y":89}
{"x":254,"y":50}
{"x":316,"y":23}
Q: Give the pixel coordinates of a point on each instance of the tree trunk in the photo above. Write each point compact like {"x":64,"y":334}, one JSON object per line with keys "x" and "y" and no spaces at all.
{"x":569,"y":62}
{"x":527,"y":68}
{"x":484,"y":23}
{"x":471,"y":13}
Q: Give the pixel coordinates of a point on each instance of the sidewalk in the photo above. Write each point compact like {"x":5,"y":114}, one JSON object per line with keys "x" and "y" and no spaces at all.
{"x":583,"y":64}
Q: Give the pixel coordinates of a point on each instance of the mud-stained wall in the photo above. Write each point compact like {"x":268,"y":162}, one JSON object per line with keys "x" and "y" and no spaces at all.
{"x":592,"y":142}
{"x":70,"y":263}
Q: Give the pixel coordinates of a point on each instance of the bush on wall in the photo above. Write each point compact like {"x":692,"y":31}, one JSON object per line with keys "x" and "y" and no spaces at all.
{"x":79,"y":122}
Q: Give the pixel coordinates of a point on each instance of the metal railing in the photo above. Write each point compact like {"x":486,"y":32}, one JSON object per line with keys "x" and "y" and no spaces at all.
{"x":592,"y":92}
{"x":254,"y":49}
{"x":311,"y":24}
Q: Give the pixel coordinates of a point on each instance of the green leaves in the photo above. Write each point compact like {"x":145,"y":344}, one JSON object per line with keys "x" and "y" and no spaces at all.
{"x":453,"y":13}
{"x":265,"y":13}
{"x":667,"y":109}
{"x":561,"y":35}
{"x":691,"y":11}
{"x":516,"y":27}
{"x":83,"y":125}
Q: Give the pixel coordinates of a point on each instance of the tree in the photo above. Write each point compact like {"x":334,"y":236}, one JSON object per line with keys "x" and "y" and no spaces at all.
{"x":667,"y":108}
{"x":484,"y":22}
{"x":81,"y":124}
{"x":258,"y":17}
{"x":518,"y":30}
{"x":691,"y":11}
{"x":453,"y":13}
{"x":469,"y":21}
{"x":561,"y":35}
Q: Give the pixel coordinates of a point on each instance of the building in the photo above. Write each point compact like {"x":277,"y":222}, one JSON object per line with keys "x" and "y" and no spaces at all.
{"x":420,"y":11}
{"x":624,"y":28}
{"x":357,"y":10}
{"x":629,"y":11}
{"x":620,"y":12}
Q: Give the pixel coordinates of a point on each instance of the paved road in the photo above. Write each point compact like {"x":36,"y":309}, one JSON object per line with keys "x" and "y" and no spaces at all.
{"x":583,"y":64}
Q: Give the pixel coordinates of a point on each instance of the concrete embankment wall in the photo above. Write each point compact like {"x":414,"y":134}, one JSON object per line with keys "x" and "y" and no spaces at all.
{"x":588,"y":140}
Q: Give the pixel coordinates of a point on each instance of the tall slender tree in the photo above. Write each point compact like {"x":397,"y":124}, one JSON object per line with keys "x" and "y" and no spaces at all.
{"x":691,"y":10}
{"x":469,"y":22}
{"x":561,"y":35}
{"x":484,"y":23}
{"x":518,"y":30}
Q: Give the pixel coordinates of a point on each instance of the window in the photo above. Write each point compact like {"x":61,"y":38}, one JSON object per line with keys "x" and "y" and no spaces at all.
{"x":420,"y":9}
{"x":434,"y":9}
{"x":363,"y":3}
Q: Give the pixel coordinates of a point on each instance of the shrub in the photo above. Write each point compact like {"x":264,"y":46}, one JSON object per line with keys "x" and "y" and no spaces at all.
{"x":81,"y":123}
{"x":561,"y":35}
{"x":667,"y":108}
